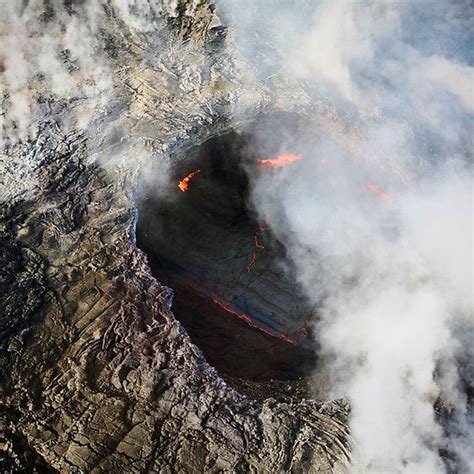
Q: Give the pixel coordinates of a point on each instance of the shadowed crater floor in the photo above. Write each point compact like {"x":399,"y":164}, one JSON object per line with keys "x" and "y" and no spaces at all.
{"x":234,"y":290}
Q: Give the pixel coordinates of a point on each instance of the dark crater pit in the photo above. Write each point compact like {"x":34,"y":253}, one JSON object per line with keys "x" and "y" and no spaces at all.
{"x":234,"y":289}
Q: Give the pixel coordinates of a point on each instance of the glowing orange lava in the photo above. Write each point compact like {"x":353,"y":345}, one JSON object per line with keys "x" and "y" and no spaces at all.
{"x":280,"y":161}
{"x":257,"y":243}
{"x":249,"y":321}
{"x":381,"y":194}
{"x":184,"y":183}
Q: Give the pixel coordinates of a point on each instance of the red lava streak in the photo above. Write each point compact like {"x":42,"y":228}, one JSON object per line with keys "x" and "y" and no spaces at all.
{"x":249,"y":321}
{"x":258,"y":245}
{"x":251,"y":263}
{"x":381,"y":194}
{"x":184,"y":183}
{"x":280,"y":161}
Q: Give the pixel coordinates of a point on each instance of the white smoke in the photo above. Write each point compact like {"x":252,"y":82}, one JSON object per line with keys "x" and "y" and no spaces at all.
{"x":392,"y":277}
{"x":54,"y":52}
{"x":55,"y":67}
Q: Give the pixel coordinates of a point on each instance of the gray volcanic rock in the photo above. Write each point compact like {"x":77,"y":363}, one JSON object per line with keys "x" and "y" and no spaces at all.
{"x":96,"y":373}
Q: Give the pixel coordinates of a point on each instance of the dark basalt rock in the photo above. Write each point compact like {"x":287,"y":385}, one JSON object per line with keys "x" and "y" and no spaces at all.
{"x":97,"y":374}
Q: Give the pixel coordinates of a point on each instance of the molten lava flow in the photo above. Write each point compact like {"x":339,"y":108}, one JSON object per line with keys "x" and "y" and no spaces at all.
{"x":184,"y":183}
{"x":381,"y":194}
{"x":258,"y":245}
{"x":280,"y":161}
{"x":249,"y":321}
{"x":251,"y":263}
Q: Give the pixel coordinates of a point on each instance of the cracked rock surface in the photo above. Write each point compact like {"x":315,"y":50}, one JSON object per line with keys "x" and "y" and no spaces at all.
{"x":97,"y":375}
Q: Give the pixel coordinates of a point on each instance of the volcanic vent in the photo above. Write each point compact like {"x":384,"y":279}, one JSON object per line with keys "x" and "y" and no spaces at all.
{"x":234,"y":290}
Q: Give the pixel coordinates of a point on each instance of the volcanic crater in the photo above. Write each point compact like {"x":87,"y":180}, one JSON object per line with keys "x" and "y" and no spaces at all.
{"x":234,"y":288}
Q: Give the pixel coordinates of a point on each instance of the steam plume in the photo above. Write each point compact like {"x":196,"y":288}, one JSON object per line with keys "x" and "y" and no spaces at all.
{"x":392,"y":277}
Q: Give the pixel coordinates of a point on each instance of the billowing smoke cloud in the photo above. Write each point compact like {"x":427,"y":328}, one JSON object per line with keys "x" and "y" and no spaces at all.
{"x":57,"y":65}
{"x":52,"y":51}
{"x":54,"y":69}
{"x":377,"y":216}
